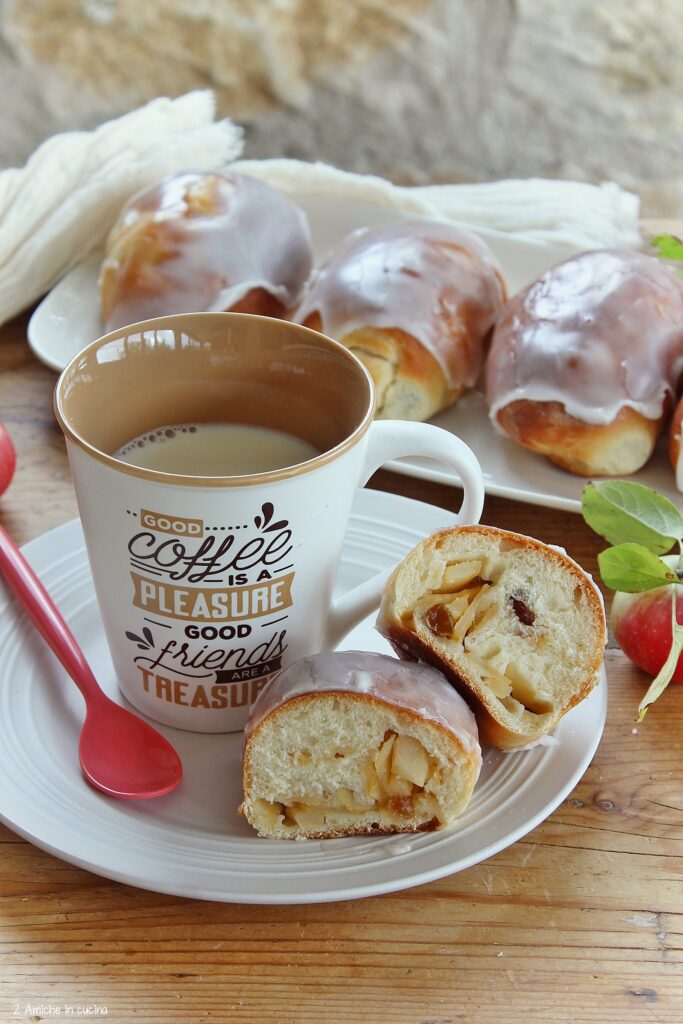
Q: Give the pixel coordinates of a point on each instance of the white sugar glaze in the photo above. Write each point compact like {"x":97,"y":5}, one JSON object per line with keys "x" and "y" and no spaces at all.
{"x":438,"y":283}
{"x":599,"y":332}
{"x":407,"y":685}
{"x":220,"y":236}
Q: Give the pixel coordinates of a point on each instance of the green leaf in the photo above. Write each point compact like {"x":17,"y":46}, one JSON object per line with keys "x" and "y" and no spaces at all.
{"x":665,"y":674}
{"x":624,"y":512}
{"x":668,"y":246}
{"x":660,"y":682}
{"x":632,"y":568}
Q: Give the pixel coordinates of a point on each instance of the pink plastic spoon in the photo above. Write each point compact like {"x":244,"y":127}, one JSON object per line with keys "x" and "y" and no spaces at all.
{"x":119,"y":753}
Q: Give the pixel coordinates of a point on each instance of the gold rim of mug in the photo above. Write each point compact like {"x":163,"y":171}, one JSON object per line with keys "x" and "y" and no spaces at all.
{"x":215,"y":481}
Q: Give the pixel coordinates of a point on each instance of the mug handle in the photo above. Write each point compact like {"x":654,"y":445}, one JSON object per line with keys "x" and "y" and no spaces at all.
{"x":392,"y":439}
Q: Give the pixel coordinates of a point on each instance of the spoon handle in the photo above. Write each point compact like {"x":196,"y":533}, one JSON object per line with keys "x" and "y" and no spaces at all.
{"x":44,"y":615}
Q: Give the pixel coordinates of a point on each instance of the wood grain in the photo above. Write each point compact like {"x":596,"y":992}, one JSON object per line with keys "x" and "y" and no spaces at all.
{"x":580,"y":921}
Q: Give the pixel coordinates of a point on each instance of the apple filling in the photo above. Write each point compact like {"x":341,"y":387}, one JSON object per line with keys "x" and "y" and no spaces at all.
{"x":397,"y":780}
{"x":469,"y":599}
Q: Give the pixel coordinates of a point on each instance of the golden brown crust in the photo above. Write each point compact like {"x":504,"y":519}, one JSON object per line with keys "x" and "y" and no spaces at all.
{"x":585,"y":449}
{"x":314,"y":322}
{"x":393,"y":358}
{"x":260,"y":303}
{"x":406,"y":642}
{"x":133,"y":251}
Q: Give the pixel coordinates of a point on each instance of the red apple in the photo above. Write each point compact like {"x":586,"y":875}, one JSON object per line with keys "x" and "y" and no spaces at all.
{"x":7,"y":459}
{"x":642,"y":625}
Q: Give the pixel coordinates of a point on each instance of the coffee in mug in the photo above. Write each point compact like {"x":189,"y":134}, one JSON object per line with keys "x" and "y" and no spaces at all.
{"x":209,"y":582}
{"x":215,"y":449}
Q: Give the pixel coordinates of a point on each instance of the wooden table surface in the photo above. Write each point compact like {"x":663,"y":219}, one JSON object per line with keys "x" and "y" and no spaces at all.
{"x":582,"y":920}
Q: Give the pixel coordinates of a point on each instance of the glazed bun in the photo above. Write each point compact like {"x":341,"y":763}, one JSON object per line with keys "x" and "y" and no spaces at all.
{"x":515,"y":625}
{"x":193,"y":242}
{"x":347,"y":743}
{"x":585,"y":362}
{"x":416,"y":302}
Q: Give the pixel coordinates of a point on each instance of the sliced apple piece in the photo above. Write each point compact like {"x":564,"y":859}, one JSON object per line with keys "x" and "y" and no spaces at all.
{"x":383,"y":761}
{"x":371,"y":780}
{"x":305,"y":816}
{"x":410,"y":760}
{"x":269,"y":813}
{"x":428,"y":805}
{"x":457,"y":574}
{"x":399,"y":787}
{"x":348,"y":801}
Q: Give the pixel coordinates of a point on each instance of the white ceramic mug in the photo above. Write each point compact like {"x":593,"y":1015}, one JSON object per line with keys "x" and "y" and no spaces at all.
{"x":208,"y":585}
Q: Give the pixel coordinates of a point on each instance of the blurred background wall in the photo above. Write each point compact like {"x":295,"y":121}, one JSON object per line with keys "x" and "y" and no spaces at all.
{"x":415,"y":90}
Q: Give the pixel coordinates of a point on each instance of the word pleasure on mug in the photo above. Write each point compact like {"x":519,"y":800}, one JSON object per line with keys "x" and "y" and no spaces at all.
{"x":225,"y":592}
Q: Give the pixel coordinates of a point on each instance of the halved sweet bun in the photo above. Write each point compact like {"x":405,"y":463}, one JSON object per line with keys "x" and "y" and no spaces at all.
{"x":585,"y":362}
{"x":212,"y":241}
{"x":416,"y":302}
{"x":515,"y":625}
{"x":349,"y":743}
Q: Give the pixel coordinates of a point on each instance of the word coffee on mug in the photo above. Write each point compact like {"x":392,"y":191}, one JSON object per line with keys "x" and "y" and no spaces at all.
{"x":214,"y":545}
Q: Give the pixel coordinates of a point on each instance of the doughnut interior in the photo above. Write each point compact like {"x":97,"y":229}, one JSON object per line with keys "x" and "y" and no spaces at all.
{"x":353,"y":742}
{"x":338,"y":764}
{"x":516,"y":625}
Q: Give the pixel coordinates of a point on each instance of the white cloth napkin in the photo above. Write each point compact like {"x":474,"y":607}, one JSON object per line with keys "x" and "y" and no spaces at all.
{"x":63,"y":202}
{"x":571,"y":213}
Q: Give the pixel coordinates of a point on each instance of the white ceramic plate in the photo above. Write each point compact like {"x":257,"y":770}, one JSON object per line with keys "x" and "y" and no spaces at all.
{"x":192,"y":843}
{"x":69,"y":318}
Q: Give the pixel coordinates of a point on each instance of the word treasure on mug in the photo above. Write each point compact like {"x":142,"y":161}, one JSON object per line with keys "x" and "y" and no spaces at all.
{"x":215,"y":458}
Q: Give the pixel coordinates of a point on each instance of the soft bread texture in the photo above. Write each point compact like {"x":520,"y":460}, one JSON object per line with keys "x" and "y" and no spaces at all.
{"x":517,"y":626}
{"x":351,"y":743}
{"x":585,"y":362}
{"x":416,"y":302}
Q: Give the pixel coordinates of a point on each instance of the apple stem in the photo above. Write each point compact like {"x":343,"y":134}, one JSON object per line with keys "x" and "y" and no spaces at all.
{"x":665,"y":674}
